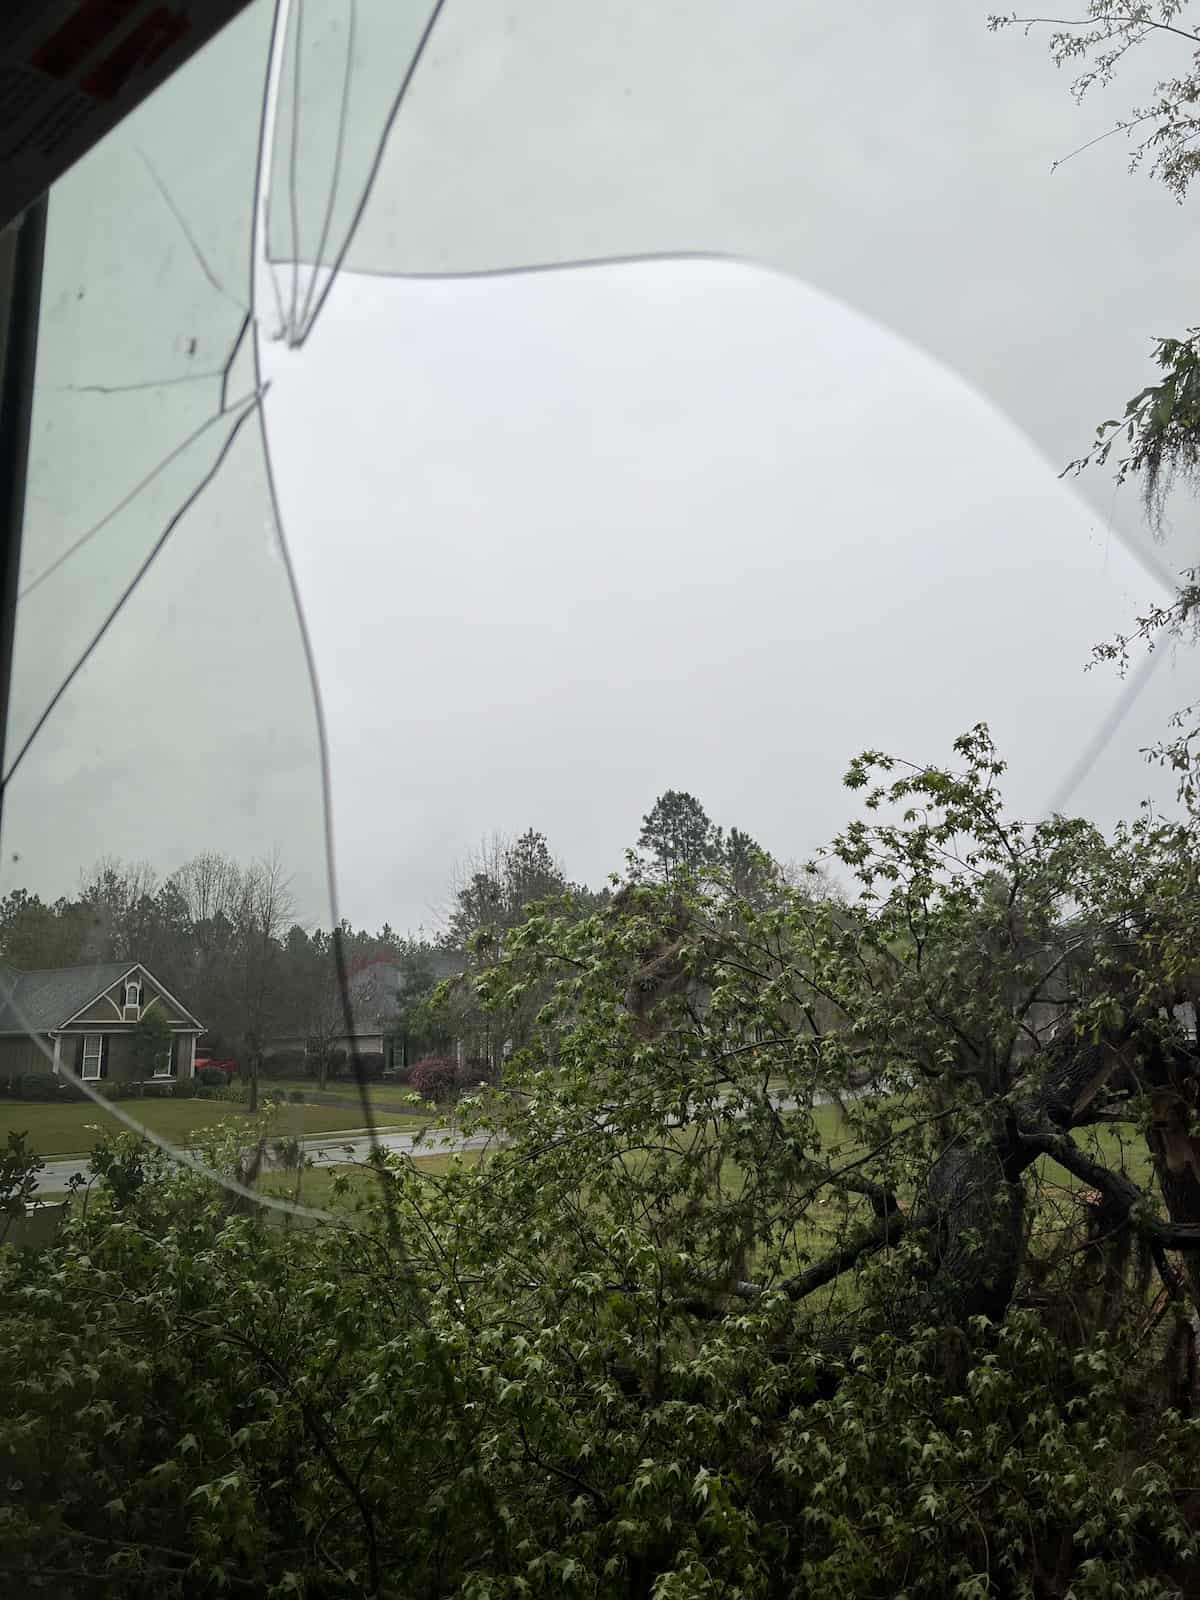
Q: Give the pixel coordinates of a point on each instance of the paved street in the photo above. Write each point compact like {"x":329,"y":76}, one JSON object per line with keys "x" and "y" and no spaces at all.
{"x":327,"y":1150}
{"x":333,"y":1149}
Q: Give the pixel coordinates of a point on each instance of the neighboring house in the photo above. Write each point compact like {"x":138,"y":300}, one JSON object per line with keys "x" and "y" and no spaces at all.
{"x":84,"y":1018}
{"x":375,"y":993}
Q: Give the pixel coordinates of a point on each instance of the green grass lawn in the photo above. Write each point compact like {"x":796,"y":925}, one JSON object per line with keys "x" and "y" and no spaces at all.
{"x":382,"y":1096}
{"x":74,"y":1128}
{"x":316,"y":1183}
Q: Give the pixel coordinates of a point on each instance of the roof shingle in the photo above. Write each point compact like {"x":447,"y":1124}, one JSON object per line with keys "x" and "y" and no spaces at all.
{"x":35,"y":1002}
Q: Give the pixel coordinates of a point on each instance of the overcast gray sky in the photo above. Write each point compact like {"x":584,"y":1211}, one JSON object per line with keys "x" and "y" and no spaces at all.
{"x":607,"y":531}
{"x":567,"y":538}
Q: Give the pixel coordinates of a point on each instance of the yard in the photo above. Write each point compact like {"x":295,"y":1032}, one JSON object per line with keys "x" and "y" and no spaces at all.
{"x":397,"y":1097}
{"x":73,"y":1129}
{"x":317,"y":1183}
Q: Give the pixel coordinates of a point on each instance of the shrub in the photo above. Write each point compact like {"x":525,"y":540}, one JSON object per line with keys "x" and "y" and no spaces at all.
{"x":473,"y":1072}
{"x":435,"y":1078}
{"x":125,"y":1163}
{"x":296,"y":1096}
{"x":370,"y":1065}
{"x":284,"y":1064}
{"x":212,"y":1078}
{"x":225,"y":1065}
{"x":289,"y":1153}
{"x":45,"y":1086}
{"x":336,"y":1060}
{"x":116,"y":1089}
{"x":19,"y":1168}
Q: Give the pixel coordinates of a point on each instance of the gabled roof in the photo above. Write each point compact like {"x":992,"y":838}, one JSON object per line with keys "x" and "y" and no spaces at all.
{"x":46,"y":998}
{"x":34,"y":1002}
{"x":374,"y":990}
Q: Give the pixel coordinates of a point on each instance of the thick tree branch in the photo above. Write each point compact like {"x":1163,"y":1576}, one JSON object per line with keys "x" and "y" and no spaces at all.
{"x":1124,"y":1195}
{"x":886,"y":1231}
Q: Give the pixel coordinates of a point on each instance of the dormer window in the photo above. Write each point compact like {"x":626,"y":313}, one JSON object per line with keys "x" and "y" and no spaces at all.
{"x":133,"y":1000}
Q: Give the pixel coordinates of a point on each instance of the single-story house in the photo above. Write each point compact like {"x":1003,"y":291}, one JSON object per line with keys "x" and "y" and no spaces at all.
{"x":375,"y":991}
{"x":84,"y":1018}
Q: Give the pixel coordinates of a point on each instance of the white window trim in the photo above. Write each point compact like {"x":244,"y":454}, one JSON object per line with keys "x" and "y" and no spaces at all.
{"x":166,"y":1072}
{"x":163,"y":993}
{"x":89,"y":1060}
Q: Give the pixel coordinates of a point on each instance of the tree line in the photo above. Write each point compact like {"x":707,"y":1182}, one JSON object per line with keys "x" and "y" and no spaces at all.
{"x":224,"y":937}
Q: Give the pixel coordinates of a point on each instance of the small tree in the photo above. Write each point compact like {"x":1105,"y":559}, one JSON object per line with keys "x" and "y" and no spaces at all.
{"x":152,"y":1042}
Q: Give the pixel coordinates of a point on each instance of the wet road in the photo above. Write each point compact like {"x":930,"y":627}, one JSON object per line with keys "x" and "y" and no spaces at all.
{"x":335,"y":1149}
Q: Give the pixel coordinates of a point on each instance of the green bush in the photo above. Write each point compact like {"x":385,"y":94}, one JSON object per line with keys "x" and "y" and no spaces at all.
{"x":370,"y":1066}
{"x":284,"y":1064}
{"x":296,"y":1096}
{"x":473,"y":1072}
{"x":955,"y":1480}
{"x":44,"y":1086}
{"x":212,"y":1077}
{"x":289,"y":1153}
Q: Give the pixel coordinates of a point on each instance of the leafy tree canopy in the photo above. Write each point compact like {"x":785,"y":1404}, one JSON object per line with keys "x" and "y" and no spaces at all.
{"x":690,"y":1329}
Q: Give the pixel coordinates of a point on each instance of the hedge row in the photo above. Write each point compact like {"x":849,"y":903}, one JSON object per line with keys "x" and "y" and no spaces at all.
{"x":45,"y":1086}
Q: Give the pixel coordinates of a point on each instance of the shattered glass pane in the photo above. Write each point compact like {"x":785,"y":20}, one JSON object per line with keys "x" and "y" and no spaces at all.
{"x":339,"y":78}
{"x":897,"y":159}
{"x":634,"y":397}
{"x":161,"y":708}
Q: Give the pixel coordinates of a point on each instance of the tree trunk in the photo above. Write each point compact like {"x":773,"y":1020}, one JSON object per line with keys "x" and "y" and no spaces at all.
{"x":975,"y":1184}
{"x":1175,"y":1152}
{"x":977,"y":1189}
{"x":252,"y":1098}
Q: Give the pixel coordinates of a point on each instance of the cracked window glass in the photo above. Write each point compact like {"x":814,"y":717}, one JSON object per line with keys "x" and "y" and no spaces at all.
{"x":607,"y":302}
{"x":606,"y":305}
{"x":163,"y":783}
{"x":578,"y":848}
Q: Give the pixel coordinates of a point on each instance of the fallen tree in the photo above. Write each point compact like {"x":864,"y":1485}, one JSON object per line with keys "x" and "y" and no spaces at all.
{"x":826,"y":1247}
{"x":1006,"y":990}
